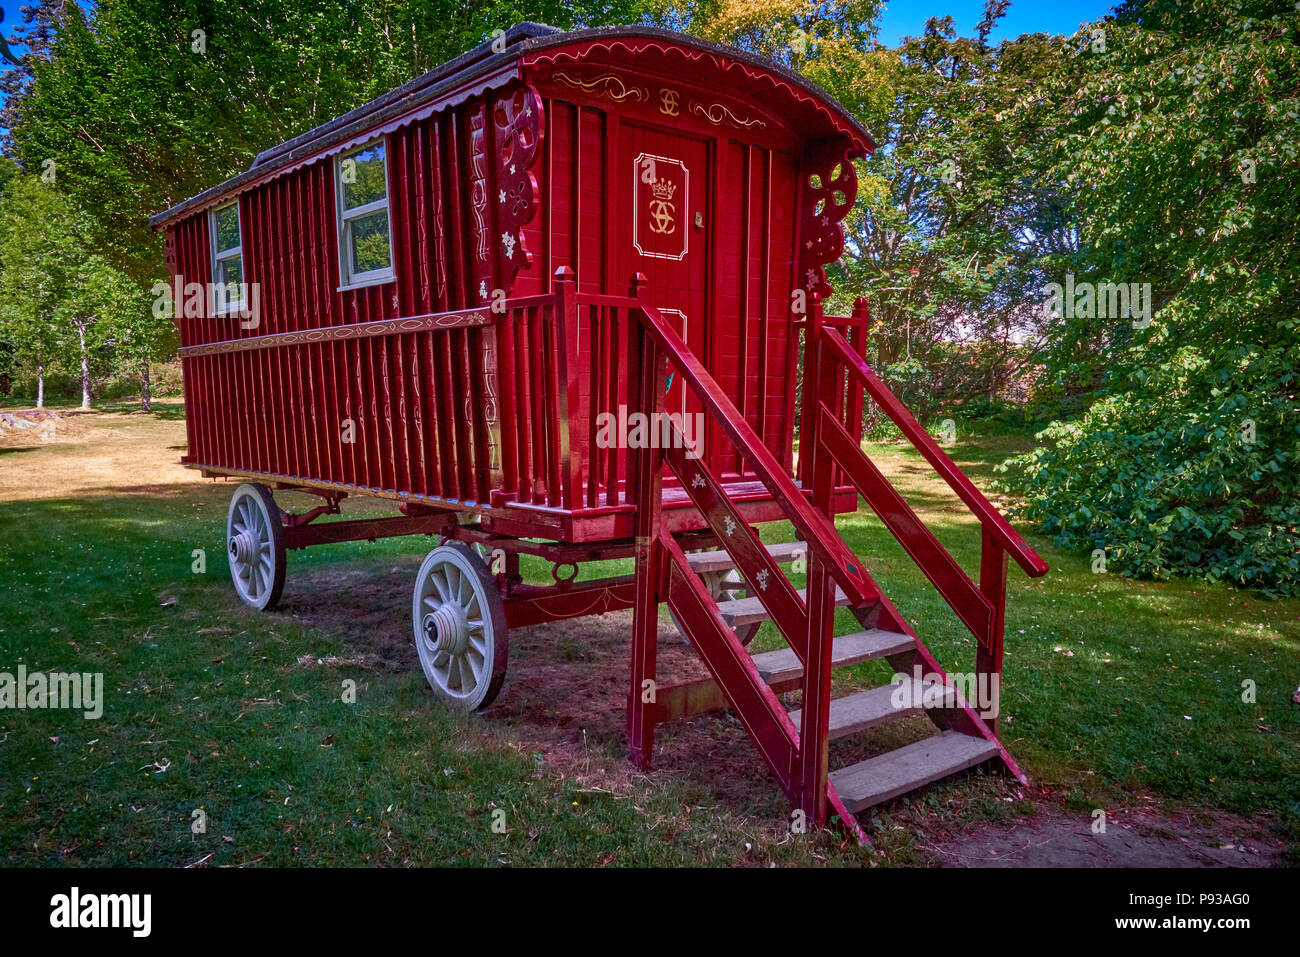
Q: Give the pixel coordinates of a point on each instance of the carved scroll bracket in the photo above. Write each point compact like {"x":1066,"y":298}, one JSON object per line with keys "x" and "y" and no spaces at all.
{"x":517,"y":122}
{"x":828,"y":190}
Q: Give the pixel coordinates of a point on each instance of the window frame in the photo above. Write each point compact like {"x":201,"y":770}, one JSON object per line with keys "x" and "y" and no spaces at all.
{"x":219,"y":256}
{"x":343,"y":217}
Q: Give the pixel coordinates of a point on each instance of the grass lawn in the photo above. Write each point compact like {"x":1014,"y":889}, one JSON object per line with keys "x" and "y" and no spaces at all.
{"x":1115,"y":692}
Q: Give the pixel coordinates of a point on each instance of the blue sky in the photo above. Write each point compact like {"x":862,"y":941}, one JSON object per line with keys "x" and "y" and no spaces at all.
{"x":907,"y":17}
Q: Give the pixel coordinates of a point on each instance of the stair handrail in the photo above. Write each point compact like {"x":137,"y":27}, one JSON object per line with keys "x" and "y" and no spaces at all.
{"x":990,"y":518}
{"x":797,"y":756}
{"x":816,"y":529}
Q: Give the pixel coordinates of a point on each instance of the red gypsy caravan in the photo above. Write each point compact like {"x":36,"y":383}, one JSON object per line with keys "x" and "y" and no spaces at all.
{"x":551,"y":298}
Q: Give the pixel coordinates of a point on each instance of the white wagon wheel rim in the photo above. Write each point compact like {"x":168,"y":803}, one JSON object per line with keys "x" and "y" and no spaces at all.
{"x":459,"y":627}
{"x":251,"y":545}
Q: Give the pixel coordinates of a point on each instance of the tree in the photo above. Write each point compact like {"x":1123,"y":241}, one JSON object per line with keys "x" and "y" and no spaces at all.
{"x":955,"y":215}
{"x":1179,"y":148}
{"x":141,"y":103}
{"x":60,"y":296}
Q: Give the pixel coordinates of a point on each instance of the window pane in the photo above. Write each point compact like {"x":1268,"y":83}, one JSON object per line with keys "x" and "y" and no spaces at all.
{"x":368,"y":237}
{"x":227,"y":221}
{"x":230,"y":280}
{"x":362,"y":175}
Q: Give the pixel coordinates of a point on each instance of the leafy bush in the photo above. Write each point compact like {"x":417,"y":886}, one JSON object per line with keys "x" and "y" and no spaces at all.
{"x":164,"y":382}
{"x":1193,"y":473}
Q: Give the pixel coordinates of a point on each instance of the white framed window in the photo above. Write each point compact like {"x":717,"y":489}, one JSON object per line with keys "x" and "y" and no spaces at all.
{"x":365,"y":232}
{"x":224,"y":237}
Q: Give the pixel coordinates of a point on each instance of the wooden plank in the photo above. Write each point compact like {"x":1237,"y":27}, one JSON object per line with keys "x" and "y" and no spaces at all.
{"x":783,"y":664}
{"x":886,"y":776}
{"x":746,"y":611}
{"x":716,"y":561}
{"x":875,"y":706}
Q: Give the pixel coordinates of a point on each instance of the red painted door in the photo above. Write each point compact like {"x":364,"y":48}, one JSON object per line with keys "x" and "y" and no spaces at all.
{"x":665,"y":197}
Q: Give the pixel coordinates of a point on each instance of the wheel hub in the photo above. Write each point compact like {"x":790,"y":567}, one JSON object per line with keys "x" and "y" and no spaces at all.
{"x":445,"y":628}
{"x":243,"y":546}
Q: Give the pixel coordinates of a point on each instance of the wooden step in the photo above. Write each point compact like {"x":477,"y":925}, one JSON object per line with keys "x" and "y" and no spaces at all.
{"x":886,"y":776}
{"x":747,"y":611}
{"x":866,"y":709}
{"x":783,"y":664}
{"x":719,"y":560}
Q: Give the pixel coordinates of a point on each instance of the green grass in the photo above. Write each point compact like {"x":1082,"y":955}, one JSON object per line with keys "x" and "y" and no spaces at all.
{"x":208,"y":708}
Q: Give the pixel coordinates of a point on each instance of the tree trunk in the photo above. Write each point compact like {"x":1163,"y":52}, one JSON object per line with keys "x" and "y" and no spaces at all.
{"x":85,"y":366}
{"x":146,"y":399}
{"x":40,"y":385}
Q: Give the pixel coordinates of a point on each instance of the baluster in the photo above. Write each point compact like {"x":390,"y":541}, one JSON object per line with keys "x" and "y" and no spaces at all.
{"x":812,"y":328}
{"x":645,"y":487}
{"x":814,"y":730}
{"x":568,"y":366}
{"x":988,"y":655}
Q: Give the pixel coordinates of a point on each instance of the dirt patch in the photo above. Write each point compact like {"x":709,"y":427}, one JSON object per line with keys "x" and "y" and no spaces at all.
{"x":72,"y":453}
{"x":1143,"y":837}
{"x":565,"y":694}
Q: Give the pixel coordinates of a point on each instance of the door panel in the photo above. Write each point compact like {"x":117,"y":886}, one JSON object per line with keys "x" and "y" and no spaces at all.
{"x":666,"y":180}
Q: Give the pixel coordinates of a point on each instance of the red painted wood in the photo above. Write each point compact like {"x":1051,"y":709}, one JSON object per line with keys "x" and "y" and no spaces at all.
{"x":989,"y":516}
{"x":753,"y":561}
{"x":645,"y":359}
{"x":754,"y":703}
{"x":993,"y":583}
{"x":813,"y":526}
{"x":975,"y":611}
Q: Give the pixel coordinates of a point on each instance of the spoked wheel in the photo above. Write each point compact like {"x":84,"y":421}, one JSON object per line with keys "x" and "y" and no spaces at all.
{"x":255,"y":546}
{"x":460,"y":627}
{"x":723,"y":585}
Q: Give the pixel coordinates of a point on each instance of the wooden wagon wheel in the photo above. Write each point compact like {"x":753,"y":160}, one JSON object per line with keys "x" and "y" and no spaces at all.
{"x":723,"y":585}
{"x":255,"y":546}
{"x":459,"y":621}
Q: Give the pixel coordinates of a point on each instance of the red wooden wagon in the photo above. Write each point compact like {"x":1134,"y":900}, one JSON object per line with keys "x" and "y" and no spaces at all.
{"x":468,"y":295}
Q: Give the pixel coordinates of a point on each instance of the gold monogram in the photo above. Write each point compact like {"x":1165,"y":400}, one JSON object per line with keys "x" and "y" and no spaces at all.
{"x":661,"y":207}
{"x":669,"y":103}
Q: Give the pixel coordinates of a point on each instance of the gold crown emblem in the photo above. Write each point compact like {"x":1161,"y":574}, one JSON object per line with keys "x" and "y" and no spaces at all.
{"x":663,"y":189}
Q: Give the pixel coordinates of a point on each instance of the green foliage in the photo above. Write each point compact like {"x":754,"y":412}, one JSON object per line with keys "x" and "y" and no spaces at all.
{"x":1179,"y":146}
{"x":1193,"y":474}
{"x":142,"y":103}
{"x":60,"y":299}
{"x":938,"y":240}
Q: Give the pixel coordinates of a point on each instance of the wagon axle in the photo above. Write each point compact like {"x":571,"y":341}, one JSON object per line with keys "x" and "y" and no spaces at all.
{"x":446,"y":629}
{"x":242,"y":546}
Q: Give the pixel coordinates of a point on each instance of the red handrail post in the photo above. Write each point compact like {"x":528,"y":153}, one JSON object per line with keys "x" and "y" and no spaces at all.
{"x":861,"y":332}
{"x":645,"y":476}
{"x":988,"y":655}
{"x":814,"y":729}
{"x":566,"y":363}
{"x":812,"y":328}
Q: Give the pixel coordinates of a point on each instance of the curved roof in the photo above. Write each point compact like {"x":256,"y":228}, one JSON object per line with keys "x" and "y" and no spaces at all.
{"x":526,"y":40}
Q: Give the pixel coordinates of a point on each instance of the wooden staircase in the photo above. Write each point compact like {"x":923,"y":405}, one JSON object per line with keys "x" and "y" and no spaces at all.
{"x":702,"y":589}
{"x":884,"y":776}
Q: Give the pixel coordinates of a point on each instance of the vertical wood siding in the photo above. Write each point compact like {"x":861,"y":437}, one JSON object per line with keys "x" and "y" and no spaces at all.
{"x":419,"y":403}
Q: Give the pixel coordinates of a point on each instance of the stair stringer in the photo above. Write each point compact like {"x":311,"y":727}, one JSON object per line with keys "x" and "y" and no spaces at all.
{"x":760,"y":711}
